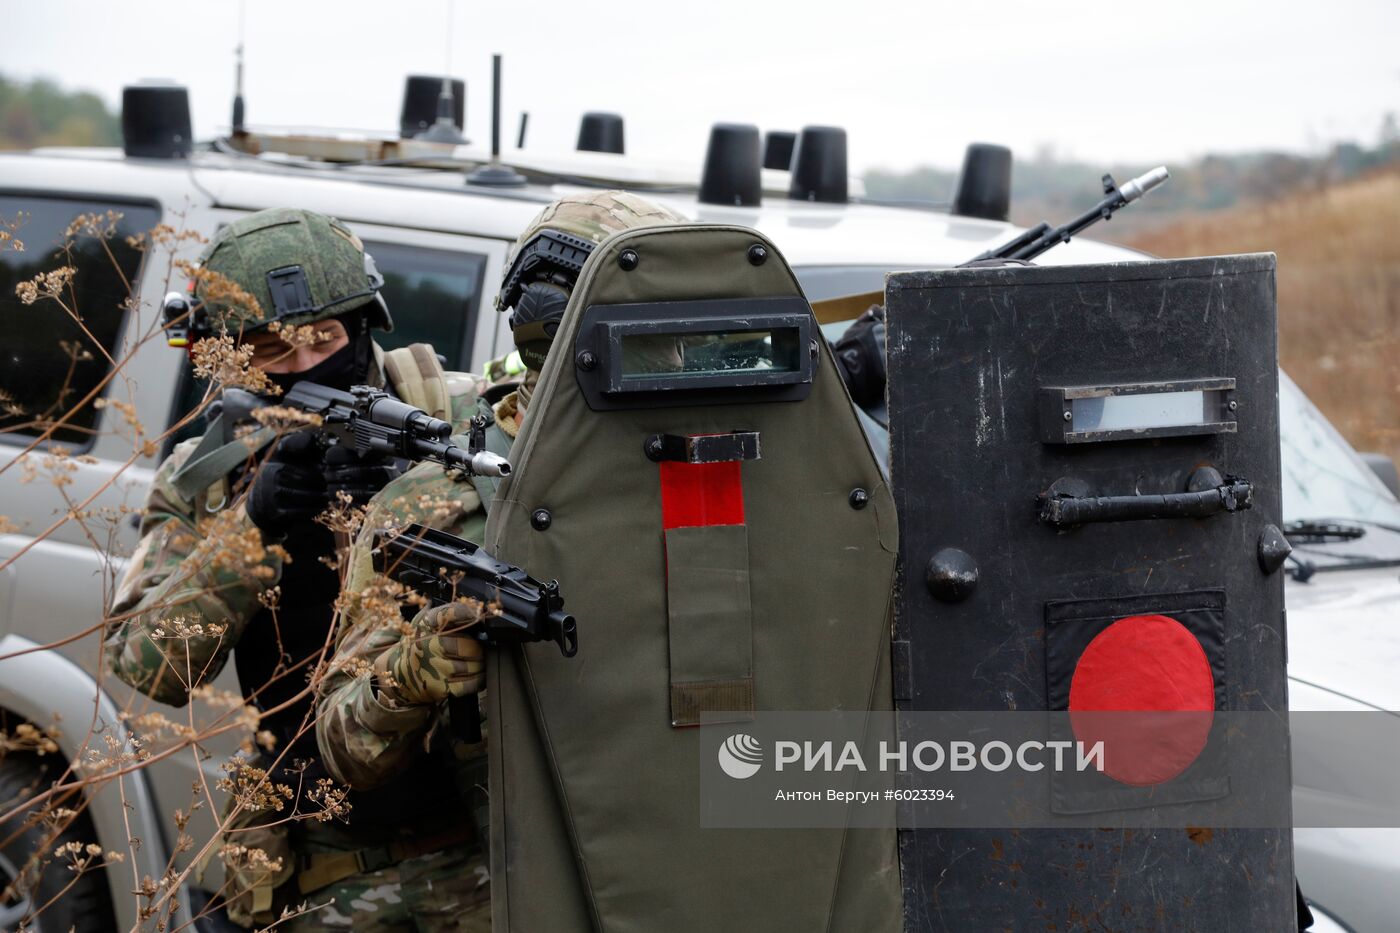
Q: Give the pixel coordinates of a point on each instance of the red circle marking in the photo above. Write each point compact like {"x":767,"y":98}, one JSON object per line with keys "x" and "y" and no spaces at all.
{"x":1151,"y":678}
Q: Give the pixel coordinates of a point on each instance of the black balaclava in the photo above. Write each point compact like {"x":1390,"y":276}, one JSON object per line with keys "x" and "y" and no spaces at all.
{"x":346,"y":367}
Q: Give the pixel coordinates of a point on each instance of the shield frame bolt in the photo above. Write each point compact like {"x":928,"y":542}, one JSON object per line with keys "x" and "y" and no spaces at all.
{"x":1069,"y":415}
{"x":1204,"y":478}
{"x":627,"y":260}
{"x":1273,"y":548}
{"x":758,"y":254}
{"x":951,"y":575}
{"x":1233,"y":405}
{"x":859,"y":498}
{"x":540,"y":519}
{"x":586,"y":361}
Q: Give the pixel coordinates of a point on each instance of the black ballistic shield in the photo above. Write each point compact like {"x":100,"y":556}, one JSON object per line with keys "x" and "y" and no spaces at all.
{"x":1086,"y":470}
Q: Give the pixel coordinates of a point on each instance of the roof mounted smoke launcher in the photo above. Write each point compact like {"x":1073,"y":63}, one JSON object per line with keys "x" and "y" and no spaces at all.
{"x":819,"y":166}
{"x":156,"y":120}
{"x":431,"y":102}
{"x":777,"y":149}
{"x":600,"y":132}
{"x":732,"y":173}
{"x":984,"y":186}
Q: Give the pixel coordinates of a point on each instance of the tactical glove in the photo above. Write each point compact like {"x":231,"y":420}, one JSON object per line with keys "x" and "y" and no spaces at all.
{"x":359,"y":477}
{"x":437,"y":661}
{"x":861,"y":355}
{"x":288,"y":489}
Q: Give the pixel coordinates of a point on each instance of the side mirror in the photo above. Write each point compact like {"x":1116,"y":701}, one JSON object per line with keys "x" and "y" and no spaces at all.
{"x":1384,"y":468}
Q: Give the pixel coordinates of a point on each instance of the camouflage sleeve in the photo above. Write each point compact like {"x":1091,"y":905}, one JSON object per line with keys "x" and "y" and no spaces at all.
{"x":188,"y":592}
{"x":365,"y":740}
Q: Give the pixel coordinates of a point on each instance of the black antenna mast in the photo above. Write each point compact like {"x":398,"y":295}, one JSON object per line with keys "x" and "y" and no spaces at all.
{"x":494,"y":173}
{"x":445,"y":129}
{"x":238,"y":75}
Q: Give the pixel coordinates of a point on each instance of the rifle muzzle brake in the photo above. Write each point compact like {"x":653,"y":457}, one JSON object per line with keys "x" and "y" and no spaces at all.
{"x":485,"y":463}
{"x":1144,"y":183}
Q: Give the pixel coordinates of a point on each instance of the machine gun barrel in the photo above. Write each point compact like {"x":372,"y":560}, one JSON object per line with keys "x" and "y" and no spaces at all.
{"x":444,"y":568}
{"x":369,"y":419}
{"x":1042,"y":237}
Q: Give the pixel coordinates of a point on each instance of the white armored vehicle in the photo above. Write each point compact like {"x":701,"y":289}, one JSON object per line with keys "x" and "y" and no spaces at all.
{"x":438,"y":218}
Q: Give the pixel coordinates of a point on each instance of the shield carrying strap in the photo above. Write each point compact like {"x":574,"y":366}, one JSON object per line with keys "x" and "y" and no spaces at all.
{"x":418,"y":378}
{"x":262,"y":897}
{"x":709,"y":615}
{"x":215,"y":456}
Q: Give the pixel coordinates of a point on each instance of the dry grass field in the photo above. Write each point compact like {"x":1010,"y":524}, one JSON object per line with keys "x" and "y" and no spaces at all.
{"x":1338,"y":292}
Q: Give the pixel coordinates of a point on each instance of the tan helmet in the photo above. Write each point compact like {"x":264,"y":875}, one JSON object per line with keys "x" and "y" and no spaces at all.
{"x":545,"y":260}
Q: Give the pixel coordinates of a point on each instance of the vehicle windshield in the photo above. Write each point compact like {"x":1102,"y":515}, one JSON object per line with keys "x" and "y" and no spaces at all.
{"x":1323,"y":478}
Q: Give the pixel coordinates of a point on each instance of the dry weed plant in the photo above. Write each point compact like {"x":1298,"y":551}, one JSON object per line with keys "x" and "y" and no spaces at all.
{"x":145,"y":733}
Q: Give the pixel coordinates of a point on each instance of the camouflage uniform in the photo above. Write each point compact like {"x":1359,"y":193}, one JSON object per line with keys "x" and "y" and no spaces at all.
{"x":364,"y":740}
{"x":443,"y":891}
{"x":367,"y":735}
{"x":180,"y":578}
{"x":180,"y":587}
{"x":202,"y":573}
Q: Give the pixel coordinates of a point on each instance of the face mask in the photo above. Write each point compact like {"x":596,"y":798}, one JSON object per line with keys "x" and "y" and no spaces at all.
{"x":344,"y":368}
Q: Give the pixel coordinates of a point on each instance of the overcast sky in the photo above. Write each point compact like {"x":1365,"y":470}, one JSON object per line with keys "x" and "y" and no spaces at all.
{"x":913,"y":82}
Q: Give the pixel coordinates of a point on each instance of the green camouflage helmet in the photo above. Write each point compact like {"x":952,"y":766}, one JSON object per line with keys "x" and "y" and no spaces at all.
{"x":545,"y":260}
{"x":300,"y":266}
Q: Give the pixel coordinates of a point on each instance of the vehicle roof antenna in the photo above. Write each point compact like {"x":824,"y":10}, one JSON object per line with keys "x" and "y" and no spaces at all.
{"x":444,"y":128}
{"x":238,"y":127}
{"x":524,"y":122}
{"x":494,"y":173}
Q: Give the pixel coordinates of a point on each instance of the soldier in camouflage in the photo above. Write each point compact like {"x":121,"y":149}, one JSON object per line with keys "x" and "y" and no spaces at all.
{"x":386,"y":691}
{"x":233,"y":560}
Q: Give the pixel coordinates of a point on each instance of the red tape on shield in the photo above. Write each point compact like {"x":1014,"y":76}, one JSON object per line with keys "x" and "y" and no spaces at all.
{"x":1144,"y":688}
{"x":694,"y":494}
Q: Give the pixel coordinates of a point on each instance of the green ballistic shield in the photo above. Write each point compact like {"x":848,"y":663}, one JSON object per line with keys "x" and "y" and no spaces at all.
{"x":689,"y":472}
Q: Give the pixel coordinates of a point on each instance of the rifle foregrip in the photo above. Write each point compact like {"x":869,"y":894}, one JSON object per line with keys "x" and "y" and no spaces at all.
{"x":443,"y":567}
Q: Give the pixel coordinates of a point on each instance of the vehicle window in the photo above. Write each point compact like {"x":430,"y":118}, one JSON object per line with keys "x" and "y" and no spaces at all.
{"x":822,"y":282}
{"x":1323,"y":478}
{"x":433,"y":295}
{"x":51,"y":360}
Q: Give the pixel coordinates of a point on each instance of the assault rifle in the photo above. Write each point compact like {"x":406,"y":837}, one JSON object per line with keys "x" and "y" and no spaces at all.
{"x":367,"y":419}
{"x":444,"y":567}
{"x":1042,"y":236}
{"x":860,"y":351}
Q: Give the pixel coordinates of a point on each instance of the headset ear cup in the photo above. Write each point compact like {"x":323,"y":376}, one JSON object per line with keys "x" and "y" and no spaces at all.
{"x":377,"y":313}
{"x":535,"y":320}
{"x":540,"y":301}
